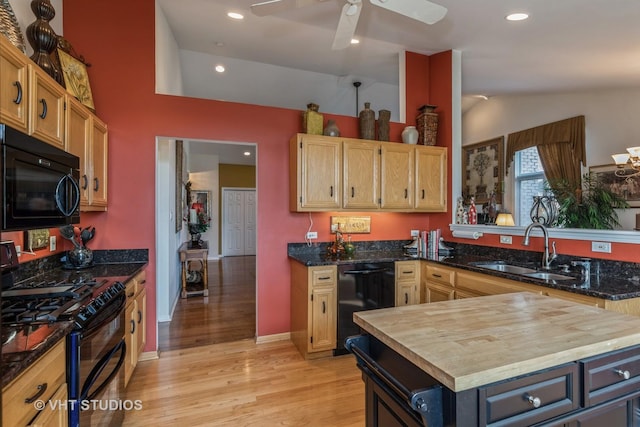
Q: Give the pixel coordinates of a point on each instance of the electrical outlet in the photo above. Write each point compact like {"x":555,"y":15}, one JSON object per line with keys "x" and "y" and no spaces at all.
{"x":415,"y":233}
{"x":601,"y":247}
{"x":52,"y":243}
{"x":312,"y":235}
{"x":334,"y":228}
{"x":505,"y":240}
{"x":18,"y":250}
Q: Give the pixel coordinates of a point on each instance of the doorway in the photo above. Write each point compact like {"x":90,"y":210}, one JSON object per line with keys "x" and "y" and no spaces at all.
{"x":232,"y":281}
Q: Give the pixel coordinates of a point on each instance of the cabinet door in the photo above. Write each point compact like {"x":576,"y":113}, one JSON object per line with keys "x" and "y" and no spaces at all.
{"x":46,"y":106}
{"x":435,"y":292}
{"x":323,"y":315}
{"x":431,"y":179}
{"x":55,"y":413}
{"x":99,"y":156}
{"x":129,"y":340}
{"x":14,"y":88}
{"x":397,"y":176}
{"x":361,"y":175}
{"x":406,"y":293}
{"x":77,"y":135}
{"x":315,"y":165}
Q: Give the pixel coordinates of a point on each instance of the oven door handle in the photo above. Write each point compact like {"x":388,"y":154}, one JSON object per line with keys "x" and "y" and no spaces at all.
{"x":364,"y":272}
{"x":97,"y":370}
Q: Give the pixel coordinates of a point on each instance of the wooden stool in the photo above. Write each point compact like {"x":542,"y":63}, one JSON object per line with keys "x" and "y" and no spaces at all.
{"x":189,"y":255}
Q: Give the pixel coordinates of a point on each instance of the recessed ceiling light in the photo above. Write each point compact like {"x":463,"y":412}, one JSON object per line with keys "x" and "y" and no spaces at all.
{"x":235,"y":15}
{"x":219,"y":44}
{"x":220,"y":68}
{"x":247,"y":153}
{"x":517,"y":16}
{"x":355,"y":41}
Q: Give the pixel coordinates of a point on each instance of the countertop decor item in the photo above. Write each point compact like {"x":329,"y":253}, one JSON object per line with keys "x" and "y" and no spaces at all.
{"x":383,"y":125}
{"x":331,"y":129}
{"x":9,"y":26}
{"x":410,"y":135}
{"x":367,"y":119}
{"x":427,"y":124}
{"x":312,"y":120}
{"x":43,"y":39}
{"x":544,"y":210}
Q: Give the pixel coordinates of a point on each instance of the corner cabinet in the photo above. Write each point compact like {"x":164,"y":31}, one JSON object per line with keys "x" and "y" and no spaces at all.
{"x":135,"y":322}
{"x":347,"y":174}
{"x":313,"y":309}
{"x":87,"y":138}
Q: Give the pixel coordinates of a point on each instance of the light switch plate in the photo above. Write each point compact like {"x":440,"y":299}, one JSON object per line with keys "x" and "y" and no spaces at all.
{"x":312,"y":235}
{"x":601,"y":247}
{"x":52,"y":243}
{"x":415,"y":233}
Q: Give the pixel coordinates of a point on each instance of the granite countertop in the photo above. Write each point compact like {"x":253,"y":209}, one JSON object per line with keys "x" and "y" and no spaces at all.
{"x":311,"y":259}
{"x":33,"y":341}
{"x":602,"y":284}
{"x":472,"y":342}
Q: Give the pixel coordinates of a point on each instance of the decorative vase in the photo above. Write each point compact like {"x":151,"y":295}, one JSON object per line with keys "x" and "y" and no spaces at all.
{"x":544,"y":210}
{"x":80,"y":257}
{"x":367,"y":122}
{"x":312,"y":120}
{"x":331,"y":129}
{"x":43,"y":39}
{"x":410,"y":135}
{"x":9,"y":26}
{"x":383,"y":125}
{"x":427,"y":124}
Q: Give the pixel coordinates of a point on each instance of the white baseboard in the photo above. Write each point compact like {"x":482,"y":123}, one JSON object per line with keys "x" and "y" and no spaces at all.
{"x":285,"y":336}
{"x":148,"y":355}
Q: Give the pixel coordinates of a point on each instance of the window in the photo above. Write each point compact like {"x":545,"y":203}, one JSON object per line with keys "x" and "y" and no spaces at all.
{"x":529,"y":182}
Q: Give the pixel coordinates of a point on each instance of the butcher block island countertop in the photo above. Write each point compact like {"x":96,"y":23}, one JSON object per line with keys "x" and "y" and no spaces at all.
{"x":472,"y":342}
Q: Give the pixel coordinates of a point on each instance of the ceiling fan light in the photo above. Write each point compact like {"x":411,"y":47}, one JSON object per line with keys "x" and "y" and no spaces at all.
{"x":620,"y":159}
{"x":235,"y":15}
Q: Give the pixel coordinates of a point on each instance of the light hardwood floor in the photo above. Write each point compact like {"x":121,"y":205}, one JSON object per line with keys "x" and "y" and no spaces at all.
{"x":212,"y":373}
{"x":246,"y":384}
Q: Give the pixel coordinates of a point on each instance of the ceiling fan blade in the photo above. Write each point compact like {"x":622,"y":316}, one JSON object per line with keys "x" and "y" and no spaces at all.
{"x":270,"y":7}
{"x":420,"y":10}
{"x":347,"y":25}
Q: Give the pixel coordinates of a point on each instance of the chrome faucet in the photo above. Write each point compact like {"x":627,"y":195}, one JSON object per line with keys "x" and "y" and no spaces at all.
{"x":547,"y":257}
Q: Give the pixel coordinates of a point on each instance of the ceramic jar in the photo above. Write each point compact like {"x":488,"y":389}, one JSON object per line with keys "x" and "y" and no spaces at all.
{"x":331,"y":129}
{"x":312,"y":120}
{"x":410,"y":135}
{"x":383,"y":125}
{"x":367,"y":122}
{"x":427,"y":124}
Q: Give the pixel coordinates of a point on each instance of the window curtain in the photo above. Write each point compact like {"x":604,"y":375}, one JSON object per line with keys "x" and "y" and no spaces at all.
{"x":561,"y":146}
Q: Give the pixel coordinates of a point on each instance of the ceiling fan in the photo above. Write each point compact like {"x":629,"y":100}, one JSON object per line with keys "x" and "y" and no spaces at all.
{"x":420,"y":10}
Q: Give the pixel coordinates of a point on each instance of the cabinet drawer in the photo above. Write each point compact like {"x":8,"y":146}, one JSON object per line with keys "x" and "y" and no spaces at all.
{"x":407,"y":271}
{"x":513,"y":402}
{"x":440,"y":275}
{"x":610,"y":376}
{"x":323,"y":276}
{"x":46,"y":373}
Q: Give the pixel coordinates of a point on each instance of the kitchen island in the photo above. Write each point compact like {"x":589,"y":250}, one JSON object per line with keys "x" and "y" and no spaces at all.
{"x":510,"y":359}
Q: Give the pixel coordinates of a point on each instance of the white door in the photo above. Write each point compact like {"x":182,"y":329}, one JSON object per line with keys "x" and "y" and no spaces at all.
{"x":238,"y":222}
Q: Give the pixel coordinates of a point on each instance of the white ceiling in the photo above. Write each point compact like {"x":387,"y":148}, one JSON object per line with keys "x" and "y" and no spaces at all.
{"x":565,"y":45}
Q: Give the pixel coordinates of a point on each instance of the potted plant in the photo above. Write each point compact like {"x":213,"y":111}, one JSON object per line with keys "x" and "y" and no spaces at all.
{"x":592,"y":205}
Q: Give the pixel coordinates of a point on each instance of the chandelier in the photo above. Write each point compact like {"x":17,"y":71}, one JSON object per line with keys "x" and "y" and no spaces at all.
{"x":626,"y":160}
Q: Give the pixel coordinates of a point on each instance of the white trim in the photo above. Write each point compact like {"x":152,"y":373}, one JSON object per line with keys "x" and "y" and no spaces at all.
{"x":148,"y":355}
{"x":617,"y":236}
{"x":285,"y":336}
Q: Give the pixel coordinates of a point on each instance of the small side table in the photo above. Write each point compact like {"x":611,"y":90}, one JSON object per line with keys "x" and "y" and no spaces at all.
{"x":188,"y":255}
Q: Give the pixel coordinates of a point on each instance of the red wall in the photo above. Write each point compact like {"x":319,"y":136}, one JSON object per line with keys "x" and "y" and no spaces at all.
{"x":117,"y":38}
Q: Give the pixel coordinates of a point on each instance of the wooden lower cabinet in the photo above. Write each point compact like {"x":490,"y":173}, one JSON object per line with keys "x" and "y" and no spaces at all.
{"x":135,"y":323}
{"x":407,"y":282}
{"x":44,"y":380}
{"x":436,"y":283}
{"x":314,"y":304}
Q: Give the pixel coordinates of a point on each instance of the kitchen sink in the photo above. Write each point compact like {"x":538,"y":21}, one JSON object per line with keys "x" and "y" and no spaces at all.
{"x":548,"y":276}
{"x":505,"y":268}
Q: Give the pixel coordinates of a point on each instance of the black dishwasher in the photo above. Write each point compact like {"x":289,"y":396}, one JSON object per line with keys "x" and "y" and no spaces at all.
{"x":362,"y":286}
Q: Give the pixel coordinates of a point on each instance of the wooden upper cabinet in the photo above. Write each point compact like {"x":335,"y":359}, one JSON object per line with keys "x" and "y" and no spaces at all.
{"x":14,"y":88}
{"x":361,"y":175}
{"x":46,"y":107}
{"x":397,"y":176}
{"x":315,"y":173}
{"x":431,"y":179}
{"x":87,"y":138}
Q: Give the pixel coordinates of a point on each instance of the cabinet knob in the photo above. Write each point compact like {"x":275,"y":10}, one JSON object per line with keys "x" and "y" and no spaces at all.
{"x":535,"y":401}
{"x":624,"y":374}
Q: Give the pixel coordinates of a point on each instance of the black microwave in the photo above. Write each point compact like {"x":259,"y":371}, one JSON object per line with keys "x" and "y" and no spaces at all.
{"x":39,"y":183}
